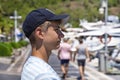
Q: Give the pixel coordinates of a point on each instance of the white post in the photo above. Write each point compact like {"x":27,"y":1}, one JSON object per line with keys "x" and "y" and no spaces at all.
{"x":106,"y":35}
{"x":104,"y":61}
{"x":106,"y":14}
{"x":15,"y":17}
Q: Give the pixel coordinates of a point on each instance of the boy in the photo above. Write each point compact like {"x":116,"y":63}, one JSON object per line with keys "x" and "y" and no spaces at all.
{"x":41,"y":27}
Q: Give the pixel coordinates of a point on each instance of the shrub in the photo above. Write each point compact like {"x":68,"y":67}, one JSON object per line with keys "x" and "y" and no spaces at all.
{"x":5,"y":50}
{"x":15,"y":45}
{"x":23,"y":43}
{"x":8,"y":45}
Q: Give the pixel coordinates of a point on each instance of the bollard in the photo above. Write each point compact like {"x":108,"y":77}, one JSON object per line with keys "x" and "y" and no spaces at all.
{"x":20,"y":52}
{"x":13,"y":58}
{"x":102,"y":61}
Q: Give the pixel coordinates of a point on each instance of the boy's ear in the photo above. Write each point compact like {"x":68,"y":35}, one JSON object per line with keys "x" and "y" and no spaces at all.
{"x":38,"y":32}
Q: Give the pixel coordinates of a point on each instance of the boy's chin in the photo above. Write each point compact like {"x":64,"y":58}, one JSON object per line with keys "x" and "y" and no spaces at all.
{"x":57,"y":47}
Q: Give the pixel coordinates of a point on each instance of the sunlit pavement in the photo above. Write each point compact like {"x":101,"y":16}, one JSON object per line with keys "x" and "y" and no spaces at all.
{"x":73,"y":73}
{"x":13,"y":71}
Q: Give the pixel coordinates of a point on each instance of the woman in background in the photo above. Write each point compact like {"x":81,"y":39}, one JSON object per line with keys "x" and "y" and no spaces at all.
{"x":64,"y":54}
{"x":82,"y":57}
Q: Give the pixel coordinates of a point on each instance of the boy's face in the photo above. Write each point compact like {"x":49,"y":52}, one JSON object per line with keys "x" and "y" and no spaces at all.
{"x":52,"y":37}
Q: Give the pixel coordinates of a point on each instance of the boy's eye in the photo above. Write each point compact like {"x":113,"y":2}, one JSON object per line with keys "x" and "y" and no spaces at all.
{"x":57,"y":29}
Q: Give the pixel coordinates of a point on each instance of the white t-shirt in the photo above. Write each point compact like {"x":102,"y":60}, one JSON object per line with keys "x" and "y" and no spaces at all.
{"x":37,"y":69}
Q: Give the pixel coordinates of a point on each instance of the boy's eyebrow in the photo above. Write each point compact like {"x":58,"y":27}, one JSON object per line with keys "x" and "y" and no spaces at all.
{"x":58,"y":26}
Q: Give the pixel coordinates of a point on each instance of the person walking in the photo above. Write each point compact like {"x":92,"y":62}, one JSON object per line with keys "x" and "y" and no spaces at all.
{"x":41,"y":27}
{"x":74,"y":44}
{"x":64,"y":55}
{"x":82,"y":57}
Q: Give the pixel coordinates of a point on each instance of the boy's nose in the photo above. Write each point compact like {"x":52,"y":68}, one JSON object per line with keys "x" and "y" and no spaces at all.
{"x":61,"y":35}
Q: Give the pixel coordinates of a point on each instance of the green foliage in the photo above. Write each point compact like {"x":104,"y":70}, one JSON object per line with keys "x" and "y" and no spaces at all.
{"x":5,"y":50}
{"x":8,"y":45}
{"x":77,"y":9}
{"x":113,"y":3}
{"x":23,"y":43}
{"x":15,"y":45}
{"x":19,"y":44}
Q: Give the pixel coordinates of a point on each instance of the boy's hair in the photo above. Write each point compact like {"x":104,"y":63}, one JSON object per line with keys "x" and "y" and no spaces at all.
{"x":44,"y":28}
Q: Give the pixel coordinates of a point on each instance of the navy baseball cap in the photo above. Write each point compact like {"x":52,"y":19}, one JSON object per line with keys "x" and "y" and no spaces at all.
{"x":38,"y":17}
